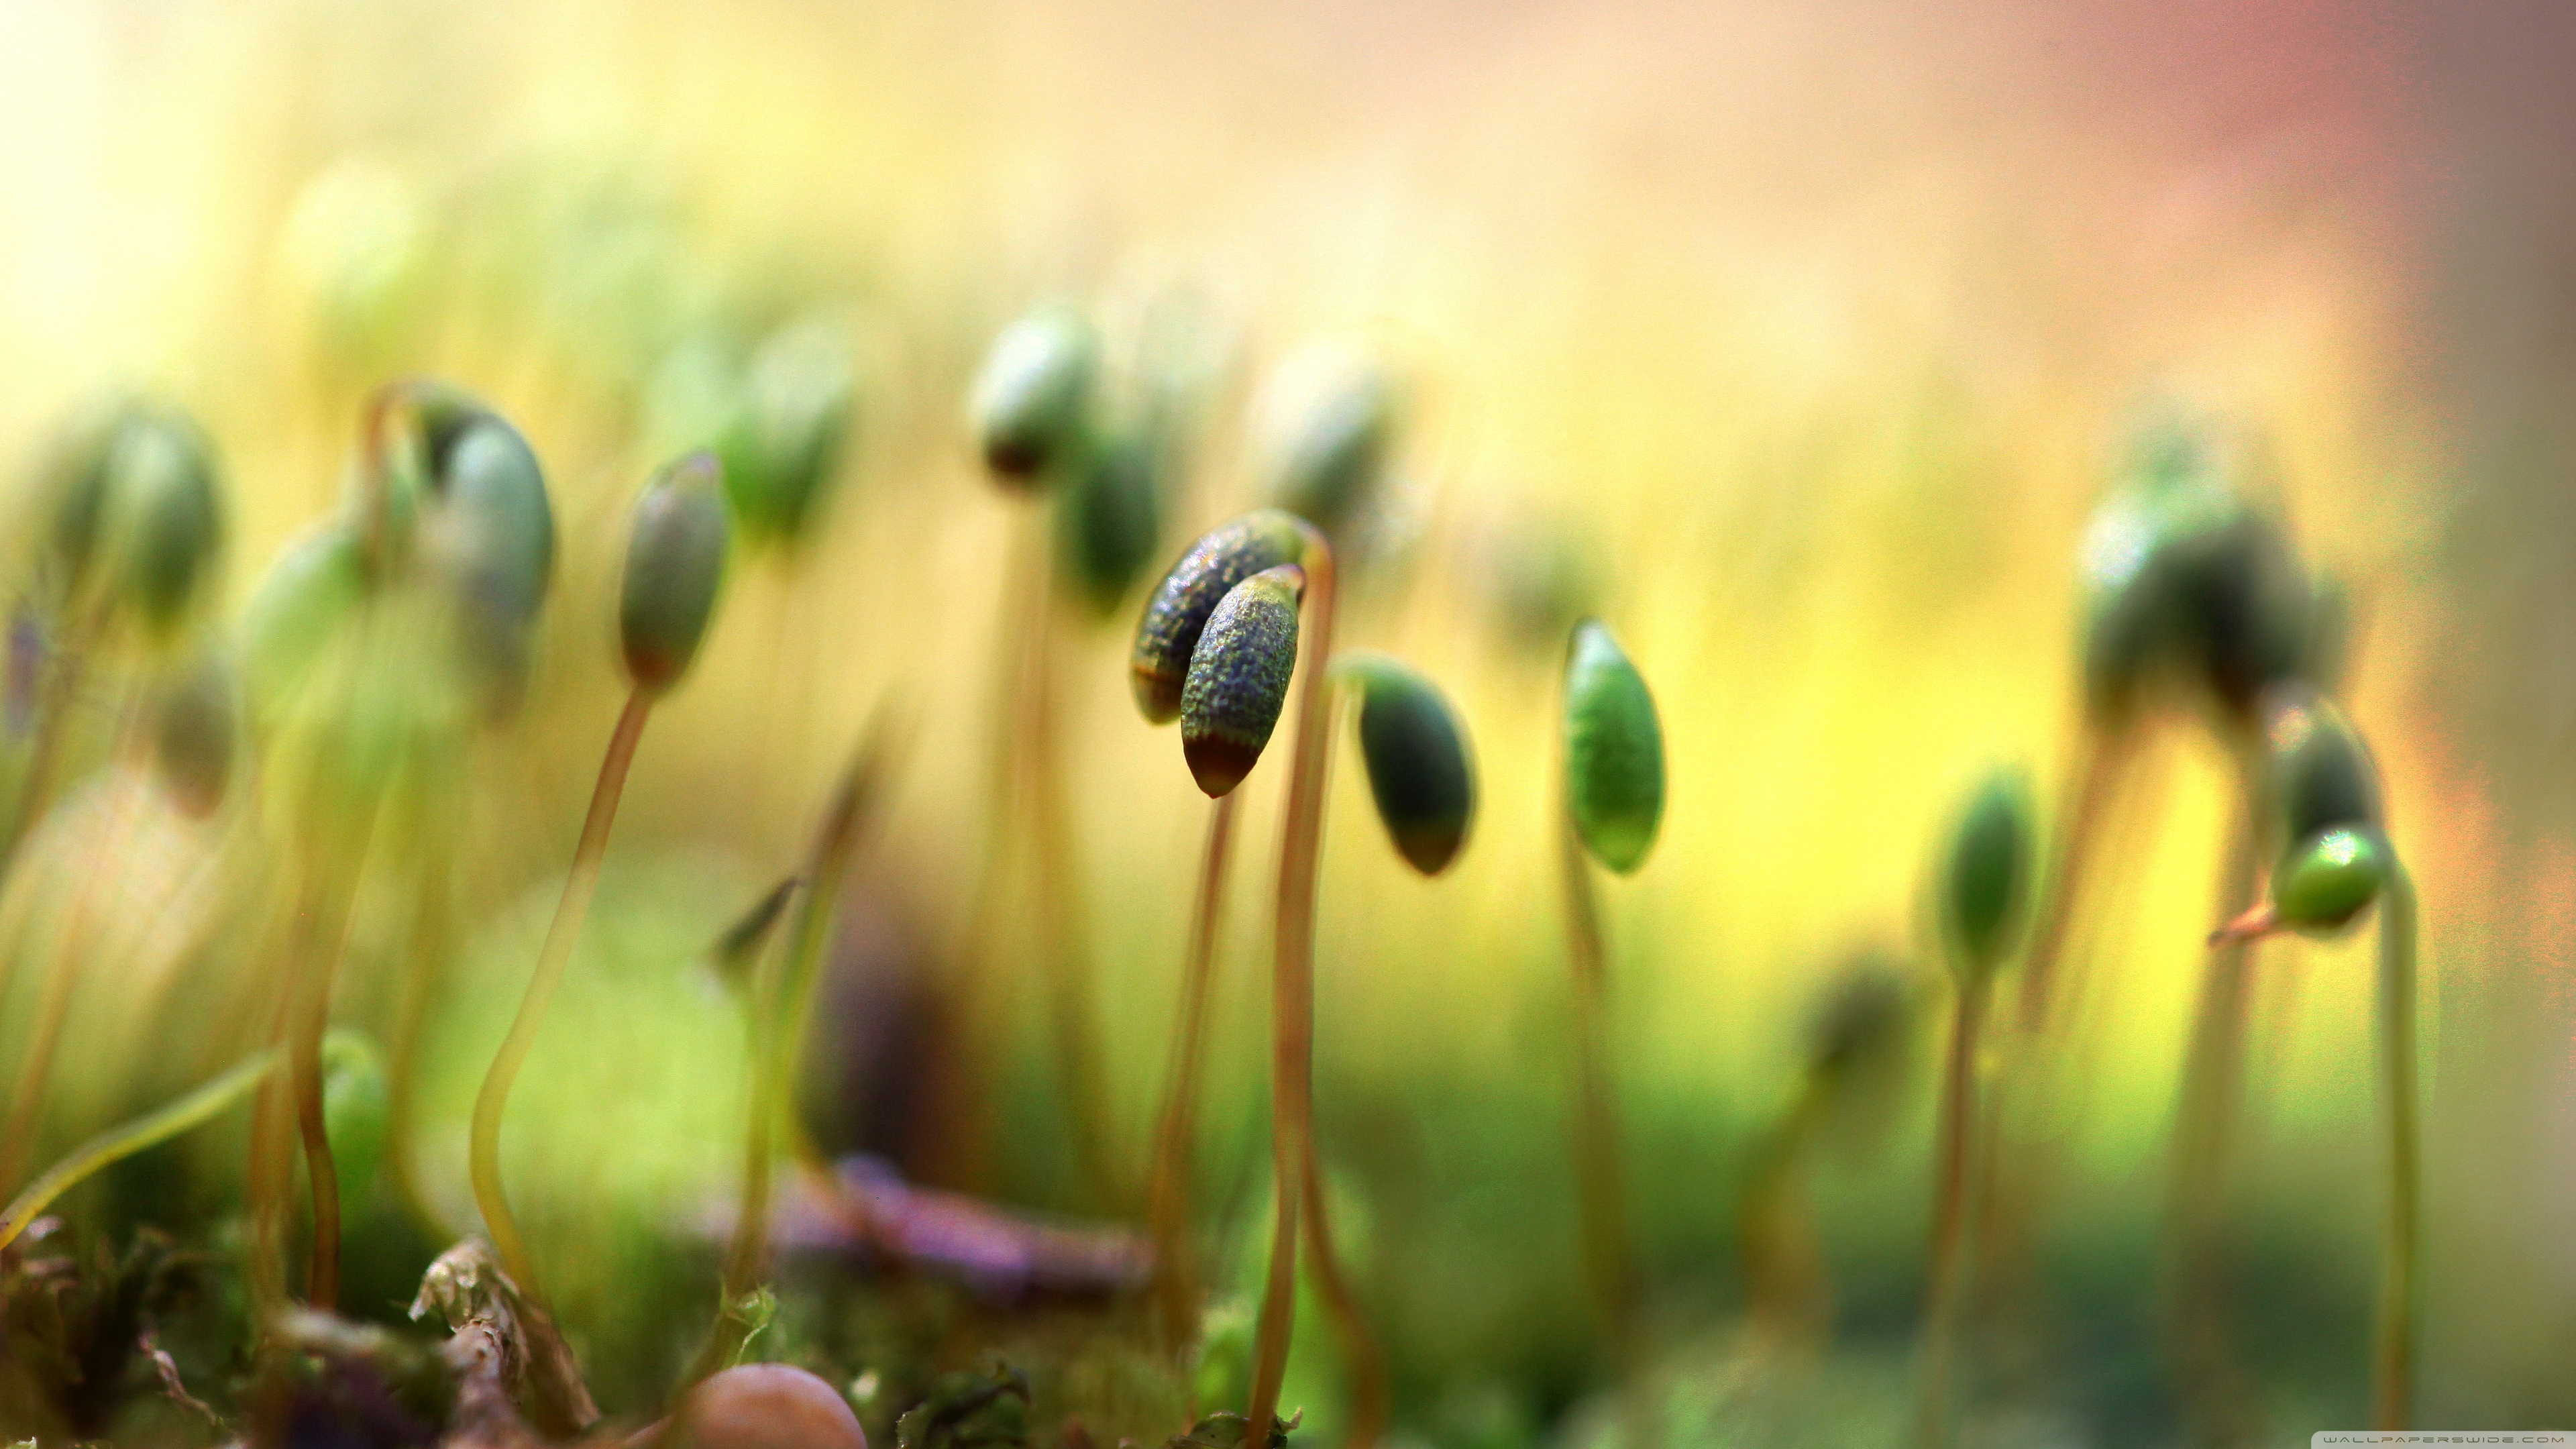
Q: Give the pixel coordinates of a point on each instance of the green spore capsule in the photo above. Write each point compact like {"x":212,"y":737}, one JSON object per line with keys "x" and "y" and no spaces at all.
{"x":316,"y":587}
{"x":1418,"y":767}
{"x":1326,"y":457}
{"x":1986,"y":874}
{"x":195,"y":730}
{"x":137,"y":520}
{"x":675,"y":561}
{"x":498,"y":526}
{"x":2320,"y":774}
{"x":1033,"y":394}
{"x":1614,"y":750}
{"x":1238,"y":679}
{"x":789,"y":429}
{"x":1159,"y":664}
{"x":2330,"y":877}
{"x":1110,"y":519}
{"x":357,"y":1106}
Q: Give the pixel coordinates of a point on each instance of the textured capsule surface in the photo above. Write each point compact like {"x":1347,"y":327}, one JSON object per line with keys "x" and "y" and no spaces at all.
{"x":1110,"y":519}
{"x":675,"y":561}
{"x":1033,"y":392}
{"x":2330,"y":877}
{"x":1986,"y":873}
{"x":1614,"y":750}
{"x":2320,"y":773}
{"x":1159,"y":664}
{"x":1419,"y":769}
{"x":1238,"y":679}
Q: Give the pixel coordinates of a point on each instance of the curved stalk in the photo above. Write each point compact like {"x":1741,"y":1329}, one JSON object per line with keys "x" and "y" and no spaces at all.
{"x":2400,"y":1286}
{"x":1606,"y":1251}
{"x":1167,"y":1195}
{"x":324,"y":925}
{"x":2204,"y":1141}
{"x":485,"y":1148}
{"x":1292,"y":991}
{"x":1785,"y":1275}
{"x":118,"y":1143}
{"x":1371,"y":1397}
{"x":1936,"y":1421}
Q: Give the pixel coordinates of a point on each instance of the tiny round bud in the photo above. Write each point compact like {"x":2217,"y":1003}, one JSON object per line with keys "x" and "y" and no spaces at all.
{"x":1111,"y":518}
{"x":1033,"y":394}
{"x":1614,"y":750}
{"x":357,"y":1107}
{"x":1986,"y":873}
{"x":791,"y":425}
{"x":763,"y":1406}
{"x":2330,"y":877}
{"x":1330,"y":424}
{"x":675,"y":561}
{"x":195,"y":729}
{"x":1418,"y":766}
{"x":1238,"y":679}
{"x":1159,"y":664}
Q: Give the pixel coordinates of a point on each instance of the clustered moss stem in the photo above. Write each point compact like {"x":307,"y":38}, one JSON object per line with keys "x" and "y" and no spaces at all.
{"x":1608,"y":1257}
{"x":2400,"y":1290}
{"x":1167,"y":1195}
{"x":485,"y":1148}
{"x":1936,"y":1422}
{"x":1292,"y":989}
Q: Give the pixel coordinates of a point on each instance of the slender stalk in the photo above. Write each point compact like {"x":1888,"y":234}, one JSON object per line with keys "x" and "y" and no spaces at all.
{"x":62,"y":971}
{"x":1784,"y":1273}
{"x":1608,"y":1256}
{"x":424,"y":977}
{"x":2105,"y":758}
{"x":782,"y":1015}
{"x":485,"y":1149}
{"x":328,"y":912}
{"x":53,"y":722}
{"x":1292,"y":992}
{"x":1371,"y":1397}
{"x":1167,"y":1194}
{"x":2205,"y":1127}
{"x":2400,"y":1284}
{"x":1063,"y":940}
{"x":1936,"y":1421}
{"x":123,"y":1141}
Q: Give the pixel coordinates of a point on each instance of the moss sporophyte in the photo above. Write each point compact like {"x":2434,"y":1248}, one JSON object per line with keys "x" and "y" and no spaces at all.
{"x":674,"y":570}
{"x":1216,"y":648}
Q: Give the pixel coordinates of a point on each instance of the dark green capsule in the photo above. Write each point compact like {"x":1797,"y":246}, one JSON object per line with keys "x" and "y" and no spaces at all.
{"x":1159,"y":664}
{"x":1109,"y":520}
{"x":1614,"y":750}
{"x":675,"y":562}
{"x":2328,"y":878}
{"x":1033,"y":395}
{"x":167,"y":506}
{"x":357,"y":1108}
{"x":1328,"y":462}
{"x":789,"y":429}
{"x":74,"y":476}
{"x":1238,"y":679}
{"x":1418,"y":767}
{"x":2319,"y":773}
{"x":196,"y":728}
{"x":1985,"y":875}
{"x":500,"y":528}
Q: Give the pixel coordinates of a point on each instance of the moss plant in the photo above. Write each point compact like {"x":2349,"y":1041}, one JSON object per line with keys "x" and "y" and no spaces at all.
{"x":1217,"y":650}
{"x":1856,"y":1048}
{"x":2333,"y":863}
{"x":1612,"y":804}
{"x":1984,"y":878}
{"x":674,"y":568}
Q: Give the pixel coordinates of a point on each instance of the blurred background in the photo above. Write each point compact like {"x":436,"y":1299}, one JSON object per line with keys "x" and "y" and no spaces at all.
{"x":1797,"y":342}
